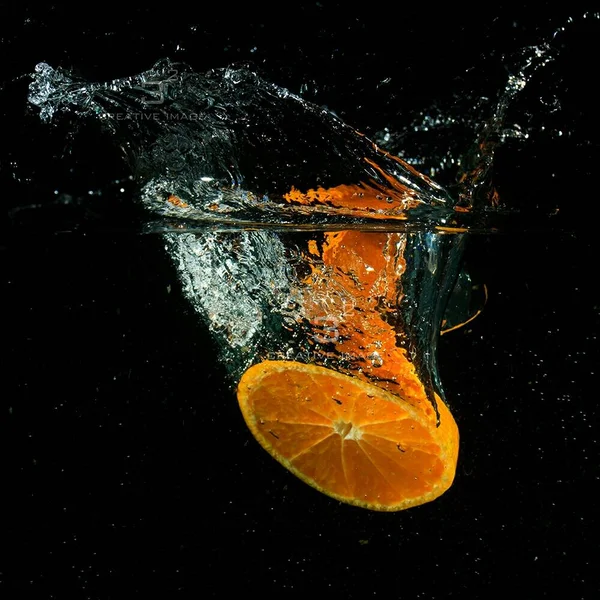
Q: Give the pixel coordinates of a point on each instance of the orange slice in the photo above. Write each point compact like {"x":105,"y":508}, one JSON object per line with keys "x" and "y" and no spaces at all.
{"x":348,"y":438}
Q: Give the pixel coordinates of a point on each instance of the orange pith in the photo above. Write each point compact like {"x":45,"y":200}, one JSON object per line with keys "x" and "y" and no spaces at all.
{"x":348,"y":438}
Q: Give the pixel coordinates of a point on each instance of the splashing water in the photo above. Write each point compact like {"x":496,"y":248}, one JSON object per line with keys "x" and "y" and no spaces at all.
{"x":229,"y":145}
{"x":227,"y":148}
{"x":296,"y":237}
{"x":484,"y":120}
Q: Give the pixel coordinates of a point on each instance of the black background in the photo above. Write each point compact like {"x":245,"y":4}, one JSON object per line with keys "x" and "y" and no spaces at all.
{"x":127,"y":468}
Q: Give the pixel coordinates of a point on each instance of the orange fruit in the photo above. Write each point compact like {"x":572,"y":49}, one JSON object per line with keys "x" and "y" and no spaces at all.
{"x":347,"y":437}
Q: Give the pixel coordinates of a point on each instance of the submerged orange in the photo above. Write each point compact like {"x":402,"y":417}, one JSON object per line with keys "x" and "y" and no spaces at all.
{"x":349,"y":438}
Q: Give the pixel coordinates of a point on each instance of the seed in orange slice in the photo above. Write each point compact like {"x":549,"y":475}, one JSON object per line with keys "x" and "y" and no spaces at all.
{"x":348,"y":438}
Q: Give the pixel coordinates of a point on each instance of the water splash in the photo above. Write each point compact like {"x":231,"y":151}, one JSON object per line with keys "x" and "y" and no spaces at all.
{"x":228,"y":145}
{"x":436,"y":140}
{"x":458,"y":139}
{"x":477,"y":164}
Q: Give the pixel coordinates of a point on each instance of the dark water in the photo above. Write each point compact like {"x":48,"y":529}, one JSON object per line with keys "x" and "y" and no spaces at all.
{"x":128,"y":468}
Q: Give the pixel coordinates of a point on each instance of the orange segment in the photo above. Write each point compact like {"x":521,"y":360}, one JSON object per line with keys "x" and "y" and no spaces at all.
{"x":348,"y":438}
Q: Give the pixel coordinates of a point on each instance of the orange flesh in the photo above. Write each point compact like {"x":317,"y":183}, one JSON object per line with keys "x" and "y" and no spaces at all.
{"x":347,"y":438}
